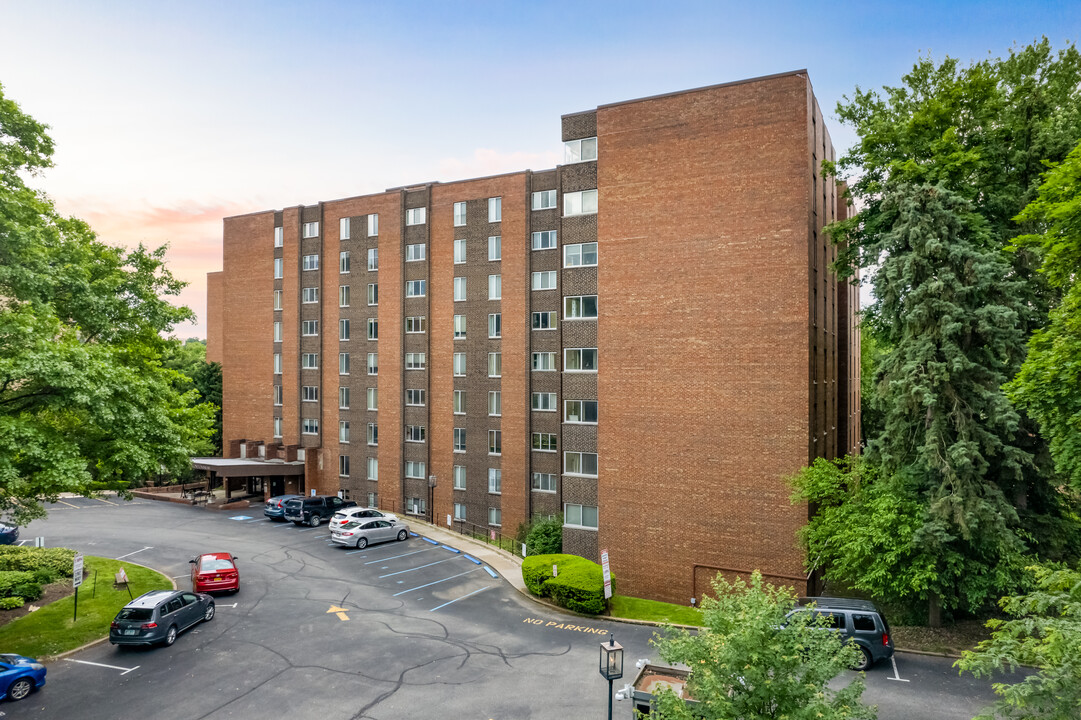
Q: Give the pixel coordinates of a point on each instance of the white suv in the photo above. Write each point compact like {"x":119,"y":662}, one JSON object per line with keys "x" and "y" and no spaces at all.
{"x":359,"y":513}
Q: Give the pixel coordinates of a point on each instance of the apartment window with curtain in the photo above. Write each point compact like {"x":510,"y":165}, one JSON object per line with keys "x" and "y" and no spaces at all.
{"x":459,"y":214}
{"x":495,"y":209}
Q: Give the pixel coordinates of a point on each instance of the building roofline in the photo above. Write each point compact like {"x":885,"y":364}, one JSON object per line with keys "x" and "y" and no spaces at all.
{"x":690,"y":90}
{"x":421,"y":186}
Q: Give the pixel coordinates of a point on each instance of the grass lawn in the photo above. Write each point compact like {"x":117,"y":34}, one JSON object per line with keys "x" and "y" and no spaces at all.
{"x":631,"y":608}
{"x":50,"y":630}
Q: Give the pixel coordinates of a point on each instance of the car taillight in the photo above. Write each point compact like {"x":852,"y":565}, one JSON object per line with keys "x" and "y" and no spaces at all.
{"x":279,"y":503}
{"x":885,"y":639}
{"x":149,"y":626}
{"x":114,"y":625}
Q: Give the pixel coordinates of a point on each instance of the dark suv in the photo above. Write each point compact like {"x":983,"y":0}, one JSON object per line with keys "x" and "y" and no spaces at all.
{"x":314,"y":510}
{"x":159,"y":616}
{"x":858,"y":620}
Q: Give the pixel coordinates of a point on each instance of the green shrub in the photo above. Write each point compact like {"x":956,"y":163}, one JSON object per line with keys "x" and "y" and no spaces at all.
{"x":58,"y":560}
{"x":44,"y":575}
{"x":11,"y":579}
{"x":578,"y":587}
{"x":10,"y":603}
{"x":545,"y":536}
{"x":27,"y":591}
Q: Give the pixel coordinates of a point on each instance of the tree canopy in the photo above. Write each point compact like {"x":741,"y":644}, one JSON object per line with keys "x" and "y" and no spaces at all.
{"x":84,"y":397}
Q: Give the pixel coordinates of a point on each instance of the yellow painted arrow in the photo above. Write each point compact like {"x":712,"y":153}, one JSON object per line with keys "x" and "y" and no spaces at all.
{"x":340,"y":611}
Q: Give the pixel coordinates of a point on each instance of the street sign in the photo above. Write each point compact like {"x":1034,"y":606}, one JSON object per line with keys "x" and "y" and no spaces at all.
{"x":77,"y":571}
{"x":607,"y":575}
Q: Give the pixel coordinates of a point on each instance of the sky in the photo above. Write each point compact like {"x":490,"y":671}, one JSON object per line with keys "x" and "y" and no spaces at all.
{"x":168,"y":117}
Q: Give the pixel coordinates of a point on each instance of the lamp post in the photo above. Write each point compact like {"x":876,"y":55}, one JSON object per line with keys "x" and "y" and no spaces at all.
{"x":611,"y":666}
{"x":431,"y":499}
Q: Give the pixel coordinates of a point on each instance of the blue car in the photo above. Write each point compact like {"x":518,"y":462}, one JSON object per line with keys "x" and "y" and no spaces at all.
{"x":275,"y":506}
{"x":9,"y":534}
{"x":19,"y":676}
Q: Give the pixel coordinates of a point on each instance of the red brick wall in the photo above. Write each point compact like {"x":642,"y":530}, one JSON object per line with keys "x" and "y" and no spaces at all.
{"x":215,"y":287}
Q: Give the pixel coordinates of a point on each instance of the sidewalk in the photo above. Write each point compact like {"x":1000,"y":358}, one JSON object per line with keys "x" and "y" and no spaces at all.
{"x":507,"y":565}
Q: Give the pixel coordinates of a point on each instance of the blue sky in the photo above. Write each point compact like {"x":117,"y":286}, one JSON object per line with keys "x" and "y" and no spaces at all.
{"x":169,"y":116}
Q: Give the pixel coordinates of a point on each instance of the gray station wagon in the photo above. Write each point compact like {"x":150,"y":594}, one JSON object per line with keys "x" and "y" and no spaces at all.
{"x":858,"y":620}
{"x":159,"y":616}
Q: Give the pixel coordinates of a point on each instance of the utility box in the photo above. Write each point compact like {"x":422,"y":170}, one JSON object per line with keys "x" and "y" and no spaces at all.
{"x":651,"y":678}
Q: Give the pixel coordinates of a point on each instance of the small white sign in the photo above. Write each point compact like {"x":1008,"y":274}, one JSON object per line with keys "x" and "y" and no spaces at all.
{"x":77,"y":571}
{"x":607,"y":575}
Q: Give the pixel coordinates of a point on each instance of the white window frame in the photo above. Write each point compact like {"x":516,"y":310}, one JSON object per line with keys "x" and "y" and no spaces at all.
{"x":545,"y":442}
{"x":373,"y":328}
{"x":544,"y":402}
{"x":415,"y":397}
{"x":372,"y":398}
{"x":416,"y":252}
{"x":343,"y":262}
{"x":582,"y":202}
{"x":580,"y":462}
{"x":343,"y":431}
{"x":373,"y":259}
{"x":459,"y":252}
{"x":277,"y":299}
{"x":460,"y":288}
{"x":277,"y":427}
{"x":309,"y":426}
{"x":311,"y":229}
{"x":495,"y":247}
{"x":459,"y":477}
{"x":343,"y":296}
{"x":459,"y":364}
{"x":579,"y":151}
{"x":345,"y":329}
{"x":373,"y":468}
{"x":569,"y":361}
{"x":343,"y":466}
{"x":495,"y":403}
{"x":495,"y":442}
{"x":495,"y":481}
{"x":309,"y":262}
{"x":545,"y":280}
{"x":458,"y":402}
{"x":459,"y":214}
{"x":581,"y":516}
{"x":495,"y":517}
{"x":416,"y":469}
{"x":309,"y":328}
{"x":277,"y":331}
{"x":569,"y":300}
{"x":373,"y":294}
{"x":278,"y":394}
{"x":416,"y":361}
{"x":277,"y":363}
{"x":415,"y":433}
{"x":495,"y":326}
{"x":278,"y":268}
{"x":373,"y":363}
{"x":543,"y":362}
{"x":343,"y":228}
{"x":495,"y":209}
{"x":459,"y":440}
{"x":495,"y":287}
{"x":279,"y":237}
{"x":309,"y":295}
{"x":309,"y":361}
{"x":373,"y":224}
{"x":580,"y":407}
{"x":416,"y":216}
{"x":545,"y":240}
{"x":343,"y":363}
{"x":416,"y":288}
{"x":551,"y":320}
{"x":543,"y":482}
{"x":343,"y":397}
{"x":544,"y":199}
{"x":416,"y":324}
{"x":495,"y":364}
{"x":372,"y":435}
{"x":459,"y":511}
{"x":579,"y":248}
{"x":309,"y":393}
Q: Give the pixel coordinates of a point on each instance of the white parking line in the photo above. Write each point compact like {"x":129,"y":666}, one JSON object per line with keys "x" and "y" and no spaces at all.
{"x":403,"y":592}
{"x":437,"y":562}
{"x":896,"y":675}
{"x":111,"y":667}
{"x":463,"y":597}
{"x":221,"y":606}
{"x":148,"y":547}
{"x":177,"y":577}
{"x":395,"y":557}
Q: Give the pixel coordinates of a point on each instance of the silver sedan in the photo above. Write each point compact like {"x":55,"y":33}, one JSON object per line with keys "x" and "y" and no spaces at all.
{"x":361,"y":533}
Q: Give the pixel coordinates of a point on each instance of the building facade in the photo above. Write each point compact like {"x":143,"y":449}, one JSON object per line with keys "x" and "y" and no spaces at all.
{"x":644,"y":341}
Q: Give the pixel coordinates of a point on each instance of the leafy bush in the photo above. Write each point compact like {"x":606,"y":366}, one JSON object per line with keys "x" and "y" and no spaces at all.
{"x":57,"y":560}
{"x":578,"y":587}
{"x":545,"y":536}
{"x":10,"y":580}
{"x":10,"y":603}
{"x":27,"y":591}
{"x":45,"y":575}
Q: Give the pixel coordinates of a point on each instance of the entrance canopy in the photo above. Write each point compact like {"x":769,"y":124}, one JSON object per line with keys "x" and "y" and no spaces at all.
{"x":248,"y":467}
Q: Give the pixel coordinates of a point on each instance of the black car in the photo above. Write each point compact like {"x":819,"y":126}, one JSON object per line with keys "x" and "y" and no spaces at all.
{"x":314,"y":510}
{"x":159,"y":616}
{"x":275,"y":506}
{"x":9,"y":534}
{"x":858,"y":620}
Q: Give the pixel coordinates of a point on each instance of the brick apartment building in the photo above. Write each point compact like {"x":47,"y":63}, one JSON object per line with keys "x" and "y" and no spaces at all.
{"x":644,"y":341}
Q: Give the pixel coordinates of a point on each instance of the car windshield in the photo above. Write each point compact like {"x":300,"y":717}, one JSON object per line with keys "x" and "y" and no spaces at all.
{"x":135,"y":614}
{"x":213,"y":564}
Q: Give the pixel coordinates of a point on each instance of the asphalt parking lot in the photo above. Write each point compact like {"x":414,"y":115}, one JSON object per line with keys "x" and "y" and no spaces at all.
{"x":410,"y":629}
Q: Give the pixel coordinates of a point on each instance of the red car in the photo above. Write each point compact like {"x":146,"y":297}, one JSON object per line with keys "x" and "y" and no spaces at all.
{"x":214,"y":572}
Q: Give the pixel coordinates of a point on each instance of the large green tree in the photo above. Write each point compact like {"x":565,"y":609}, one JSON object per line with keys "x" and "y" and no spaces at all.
{"x":189,"y":360}
{"x":84,"y":397}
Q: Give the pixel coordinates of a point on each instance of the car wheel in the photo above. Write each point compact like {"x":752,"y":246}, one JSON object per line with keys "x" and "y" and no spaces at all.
{"x":20,"y":688}
{"x":362,"y":543}
{"x":314,"y":520}
{"x":865,"y":662}
{"x":170,"y":637}
{"x":209,"y":614}
{"x":402,"y":535}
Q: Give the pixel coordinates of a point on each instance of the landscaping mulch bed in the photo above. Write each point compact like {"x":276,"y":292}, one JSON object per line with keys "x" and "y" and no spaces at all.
{"x":950,"y":640}
{"x":52,"y":592}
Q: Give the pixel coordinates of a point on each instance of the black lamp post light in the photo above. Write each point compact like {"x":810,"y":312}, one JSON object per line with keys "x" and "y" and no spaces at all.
{"x":611,"y":666}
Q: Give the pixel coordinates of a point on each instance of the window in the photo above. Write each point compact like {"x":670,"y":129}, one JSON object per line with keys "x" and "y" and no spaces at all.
{"x":373,"y":434}
{"x":309,"y":295}
{"x":309,"y":426}
{"x":343,"y":431}
{"x":414,"y":398}
{"x":373,"y":398}
{"x":495,"y":516}
{"x":459,"y":364}
{"x":545,"y":240}
{"x":416,"y":216}
{"x":544,"y":200}
{"x":343,"y":363}
{"x":373,"y":328}
{"x":371,"y":499}
{"x":544,"y":442}
{"x":373,"y":363}
{"x":343,"y":329}
{"x":495,"y":442}
{"x":579,"y":463}
{"x":414,"y":433}
{"x":415,"y":324}
{"x":583,"y":516}
{"x":343,"y":466}
{"x":415,"y":469}
{"x":544,"y":482}
{"x":373,"y":294}
{"x":277,"y":427}
{"x":459,"y":289}
{"x":495,"y":247}
{"x":459,"y":440}
{"x":343,"y":296}
{"x":277,"y":299}
{"x":415,"y":361}
{"x":544,"y":321}
{"x":459,"y":402}
{"x":575,"y":151}
{"x":279,"y":236}
{"x":544,"y":361}
{"x":583,"y":202}
{"x":495,"y":403}
{"x":416,"y":253}
{"x":545,"y":280}
{"x":580,"y":255}
{"x":415,"y":288}
{"x":459,"y":214}
{"x":495,"y":287}
{"x":495,"y":325}
{"x":459,"y":511}
{"x":343,"y":261}
{"x":459,"y":477}
{"x":373,"y":468}
{"x":495,"y":364}
{"x":544,"y":402}
{"x":459,"y":252}
{"x":343,"y":398}
{"x":277,"y":268}
{"x":580,"y":360}
{"x":373,"y":225}
{"x":277,"y":363}
{"x":580,"y":307}
{"x":310,"y":262}
{"x":277,"y":331}
{"x":343,"y":229}
{"x":277,"y":394}
{"x":495,"y":209}
{"x":309,"y":393}
{"x":309,"y":361}
{"x":373,"y":258}
{"x":495,"y":480}
{"x":580,"y":411}
{"x":311,"y":229}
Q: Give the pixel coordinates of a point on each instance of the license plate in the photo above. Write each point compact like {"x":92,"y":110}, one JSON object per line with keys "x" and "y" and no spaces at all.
{"x":131,"y":632}
{"x":217,"y":579}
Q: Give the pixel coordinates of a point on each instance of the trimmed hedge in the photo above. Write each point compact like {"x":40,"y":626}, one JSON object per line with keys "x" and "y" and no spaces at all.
{"x":15,"y":582}
{"x":57,"y":560}
{"x":10,"y":603}
{"x":578,"y":587}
